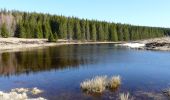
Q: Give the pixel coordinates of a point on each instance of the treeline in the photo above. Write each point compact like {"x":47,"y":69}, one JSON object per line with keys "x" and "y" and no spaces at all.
{"x":38,"y":25}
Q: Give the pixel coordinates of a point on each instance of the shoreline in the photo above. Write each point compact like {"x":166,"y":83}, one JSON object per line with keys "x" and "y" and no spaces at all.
{"x":154,"y":44}
{"x":21,"y":44}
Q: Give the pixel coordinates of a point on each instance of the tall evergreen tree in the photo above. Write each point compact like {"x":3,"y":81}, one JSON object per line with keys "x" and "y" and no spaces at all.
{"x":63,"y":28}
{"x":52,"y":37}
{"x":106,"y":30}
{"x":46,"y":30}
{"x":70,"y":30}
{"x":77,"y":31}
{"x":4,"y":31}
{"x":113,"y":33}
{"x":55,"y":36}
{"x":93,"y":32}
{"x":120,"y":32}
{"x":38,"y":31}
{"x":87,"y":31}
{"x":100,"y":33}
{"x":20,"y":31}
{"x":126,"y":33}
{"x":83,"y":30}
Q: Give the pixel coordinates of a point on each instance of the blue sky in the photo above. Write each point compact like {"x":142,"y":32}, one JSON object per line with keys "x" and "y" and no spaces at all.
{"x":138,"y":12}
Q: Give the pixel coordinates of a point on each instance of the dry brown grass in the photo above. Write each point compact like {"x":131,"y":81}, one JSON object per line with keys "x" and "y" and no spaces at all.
{"x":95,"y":85}
{"x":114,"y":82}
{"x":99,"y":83}
{"x":124,"y":96}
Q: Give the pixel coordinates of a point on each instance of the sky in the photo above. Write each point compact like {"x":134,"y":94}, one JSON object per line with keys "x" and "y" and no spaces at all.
{"x":136,"y":12}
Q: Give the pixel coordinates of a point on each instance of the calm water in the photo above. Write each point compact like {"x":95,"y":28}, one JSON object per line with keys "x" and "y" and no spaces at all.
{"x":59,"y":70}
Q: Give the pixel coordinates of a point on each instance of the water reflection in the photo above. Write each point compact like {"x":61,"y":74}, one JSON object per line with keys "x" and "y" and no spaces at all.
{"x":41,"y":60}
{"x":51,"y":58}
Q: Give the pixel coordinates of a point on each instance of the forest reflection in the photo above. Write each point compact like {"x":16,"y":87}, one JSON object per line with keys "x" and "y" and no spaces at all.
{"x":51,"y":58}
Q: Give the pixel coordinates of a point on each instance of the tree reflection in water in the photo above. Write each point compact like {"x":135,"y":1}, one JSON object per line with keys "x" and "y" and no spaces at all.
{"x":51,"y":58}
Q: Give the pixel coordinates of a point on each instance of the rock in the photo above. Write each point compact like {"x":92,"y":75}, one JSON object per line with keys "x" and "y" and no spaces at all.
{"x":157,"y":46}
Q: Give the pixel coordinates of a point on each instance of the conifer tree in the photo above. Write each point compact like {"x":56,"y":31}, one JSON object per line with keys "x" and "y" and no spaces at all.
{"x":55,"y":36}
{"x":51,"y":38}
{"x":19,"y":30}
{"x":113,"y":33}
{"x":120,"y":32}
{"x":77,"y":31}
{"x":46,"y":30}
{"x":4,"y":31}
{"x":63,"y":28}
{"x":87,"y":31}
{"x":106,"y":31}
{"x":69,"y":30}
{"x":83,"y":30}
{"x":100,"y":33}
{"x":38,"y":32}
{"x":93,"y":32}
{"x":126,"y":33}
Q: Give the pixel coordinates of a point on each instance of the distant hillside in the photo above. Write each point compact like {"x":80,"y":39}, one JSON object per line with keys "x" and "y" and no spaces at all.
{"x":37,"y":25}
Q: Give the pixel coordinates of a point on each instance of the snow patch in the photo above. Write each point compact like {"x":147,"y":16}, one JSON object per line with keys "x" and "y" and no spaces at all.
{"x":133,"y":45}
{"x":20,"y":94}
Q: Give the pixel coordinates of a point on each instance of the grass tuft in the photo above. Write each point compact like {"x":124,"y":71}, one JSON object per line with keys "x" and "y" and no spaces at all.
{"x":114,"y":82}
{"x":124,"y":96}
{"x":99,"y":83}
{"x":95,"y":85}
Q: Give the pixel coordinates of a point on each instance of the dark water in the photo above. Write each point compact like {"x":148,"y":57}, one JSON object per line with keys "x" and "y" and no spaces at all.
{"x":59,"y":70}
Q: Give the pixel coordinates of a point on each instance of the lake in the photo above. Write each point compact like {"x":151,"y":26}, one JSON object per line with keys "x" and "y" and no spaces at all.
{"x":60,"y":70}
